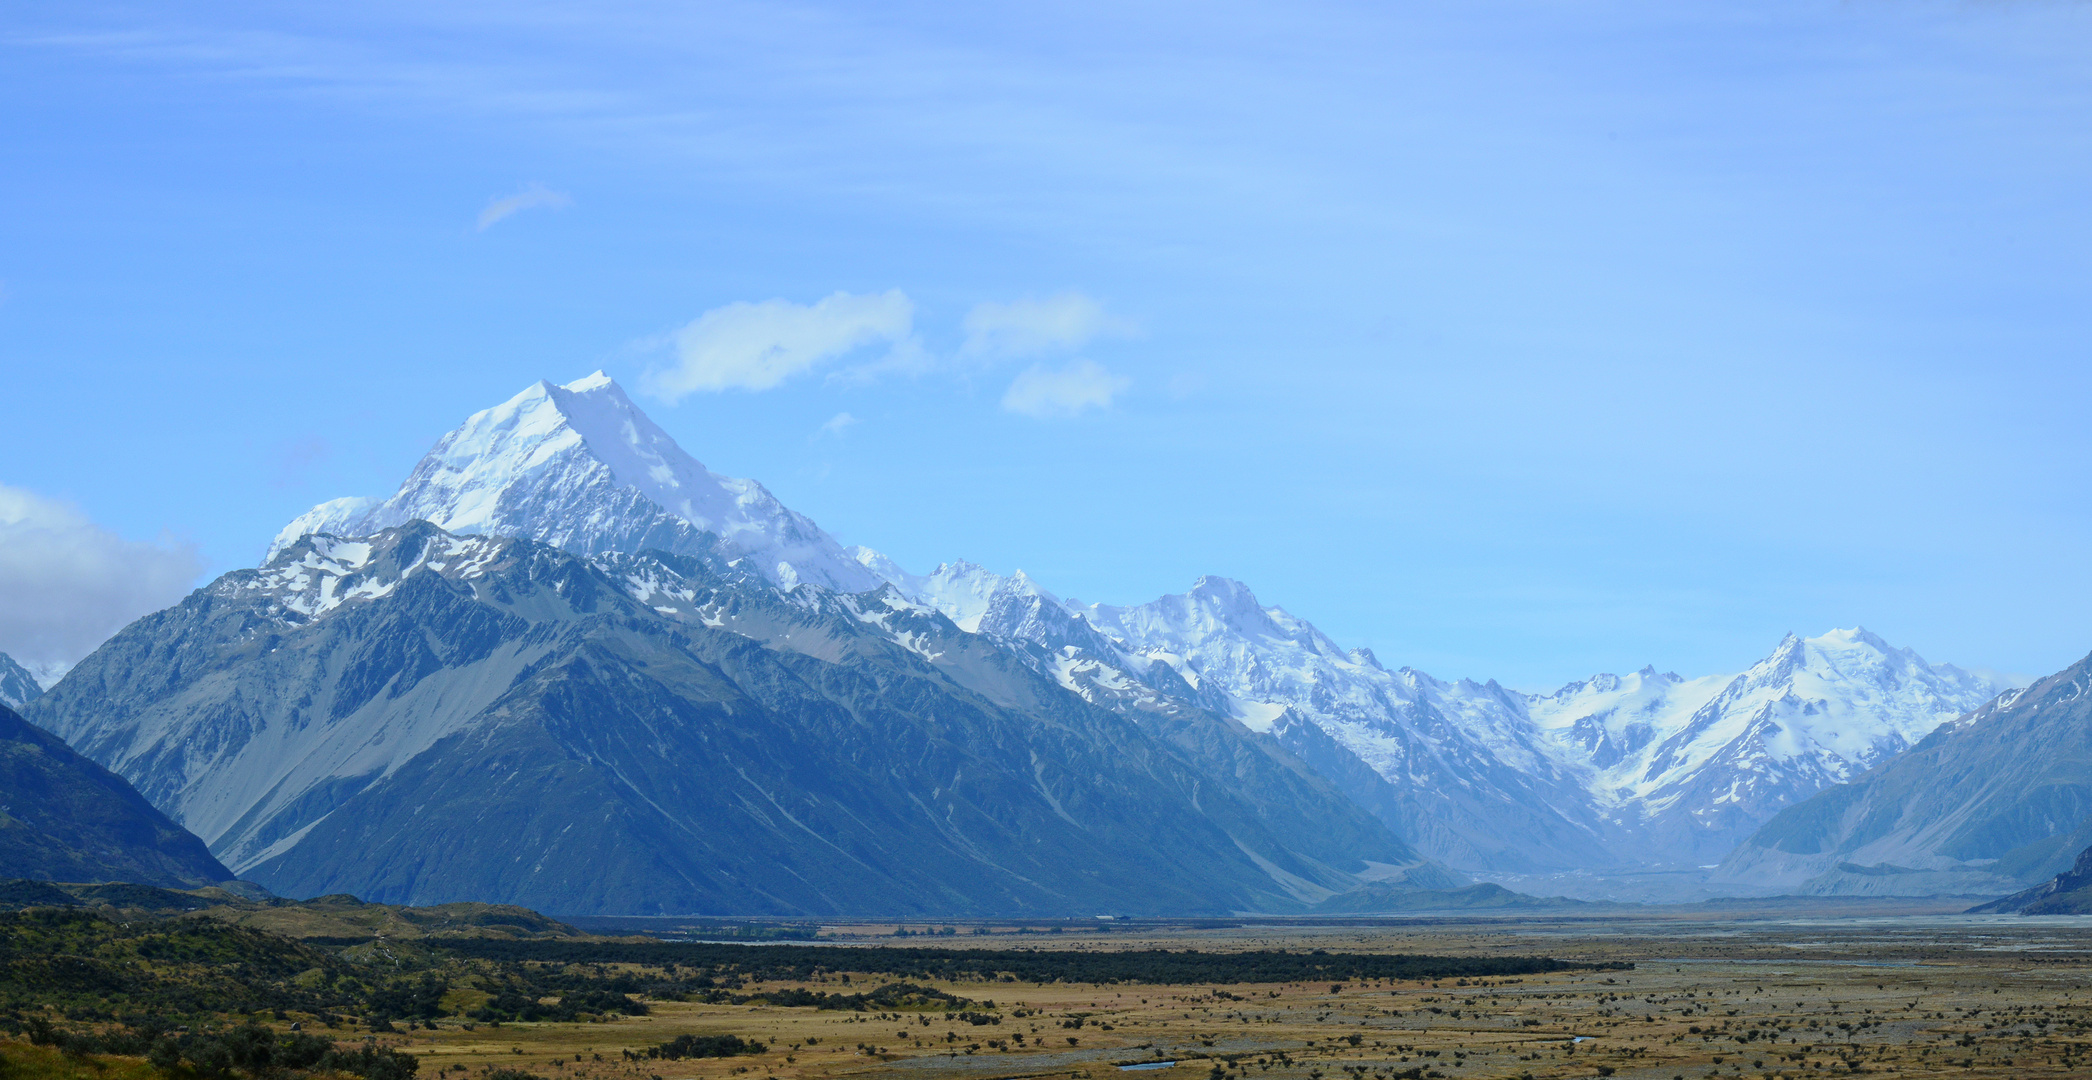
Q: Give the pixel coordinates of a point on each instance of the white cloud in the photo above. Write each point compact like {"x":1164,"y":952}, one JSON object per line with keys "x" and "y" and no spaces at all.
{"x":839,"y":423}
{"x":907,"y":357}
{"x":530,"y":198}
{"x":1029,"y":327}
{"x":745,"y":346}
{"x":66,"y":584}
{"x":1044,"y":391}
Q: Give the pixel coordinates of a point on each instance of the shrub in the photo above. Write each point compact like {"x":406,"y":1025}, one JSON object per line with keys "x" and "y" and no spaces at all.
{"x":705,"y":1046}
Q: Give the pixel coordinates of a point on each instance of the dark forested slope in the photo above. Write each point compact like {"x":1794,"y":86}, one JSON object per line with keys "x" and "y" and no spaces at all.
{"x":65,"y":818}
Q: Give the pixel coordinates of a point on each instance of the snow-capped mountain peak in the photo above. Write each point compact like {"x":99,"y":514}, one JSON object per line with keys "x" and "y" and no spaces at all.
{"x":580,"y":466}
{"x":1215,"y":611}
{"x":1646,"y":767}
{"x":18,"y":687}
{"x":1702,"y":761}
{"x":1654,"y":766}
{"x":966,"y":593}
{"x":1847,"y":694}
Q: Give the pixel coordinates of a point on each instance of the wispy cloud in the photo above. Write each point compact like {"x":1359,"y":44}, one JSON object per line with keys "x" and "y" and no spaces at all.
{"x":532,"y":197}
{"x":66,"y":583}
{"x":756,"y":346}
{"x":1066,"y":391}
{"x":907,"y":357}
{"x":839,"y":423}
{"x":1031,"y":326}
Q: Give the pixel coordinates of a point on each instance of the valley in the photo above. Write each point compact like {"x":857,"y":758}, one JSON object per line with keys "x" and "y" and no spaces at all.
{"x":629,"y":685}
{"x":1889,"y":988}
{"x":831,"y":541}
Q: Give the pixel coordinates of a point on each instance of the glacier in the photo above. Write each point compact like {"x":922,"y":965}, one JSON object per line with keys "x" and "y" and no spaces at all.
{"x":1646,"y":771}
{"x":419,"y":716}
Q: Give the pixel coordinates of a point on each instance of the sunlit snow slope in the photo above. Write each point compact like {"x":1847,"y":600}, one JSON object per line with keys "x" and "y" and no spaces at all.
{"x":580,"y":467}
{"x":1645,"y":769}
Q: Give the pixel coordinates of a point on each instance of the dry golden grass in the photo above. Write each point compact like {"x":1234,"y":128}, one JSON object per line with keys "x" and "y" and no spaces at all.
{"x":322,"y":919}
{"x":1885,"y":997}
{"x":1905,"y":996}
{"x":21,"y":1061}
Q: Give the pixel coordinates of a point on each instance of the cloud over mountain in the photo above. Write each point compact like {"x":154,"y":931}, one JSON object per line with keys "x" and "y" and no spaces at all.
{"x":66,"y":583}
{"x":757,"y":346}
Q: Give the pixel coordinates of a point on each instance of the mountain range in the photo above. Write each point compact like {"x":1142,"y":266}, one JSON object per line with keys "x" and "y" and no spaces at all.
{"x":421,"y":717}
{"x":1638,"y":771}
{"x":563,"y":634}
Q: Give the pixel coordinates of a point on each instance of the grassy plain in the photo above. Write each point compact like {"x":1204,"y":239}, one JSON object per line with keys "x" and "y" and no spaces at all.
{"x":1889,"y":991}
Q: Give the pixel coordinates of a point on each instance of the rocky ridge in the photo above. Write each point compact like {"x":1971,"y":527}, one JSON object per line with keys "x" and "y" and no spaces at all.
{"x":1631,"y":772}
{"x":1642,"y":770}
{"x":420,"y":717}
{"x":1988,"y":803}
{"x":17,"y":686}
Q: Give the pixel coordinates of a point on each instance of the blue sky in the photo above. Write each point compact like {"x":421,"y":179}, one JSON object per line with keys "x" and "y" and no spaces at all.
{"x":1511,"y":340}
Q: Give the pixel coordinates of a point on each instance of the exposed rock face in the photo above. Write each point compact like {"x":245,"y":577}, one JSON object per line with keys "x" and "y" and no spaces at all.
{"x":65,"y":818}
{"x":17,"y":686}
{"x":418,"y":717}
{"x":2068,"y":893}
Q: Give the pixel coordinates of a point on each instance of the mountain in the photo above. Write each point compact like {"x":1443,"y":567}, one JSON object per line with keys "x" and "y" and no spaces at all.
{"x":17,"y":686}
{"x":421,"y":717}
{"x":1690,"y":774}
{"x":65,"y":818}
{"x":580,"y":467}
{"x":1646,"y":769}
{"x":1615,"y":773}
{"x":2068,"y":893}
{"x":1445,"y":770}
{"x":1990,"y":802}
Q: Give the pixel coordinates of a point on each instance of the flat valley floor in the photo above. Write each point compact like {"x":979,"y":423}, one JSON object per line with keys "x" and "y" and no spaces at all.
{"x":1746,"y":994}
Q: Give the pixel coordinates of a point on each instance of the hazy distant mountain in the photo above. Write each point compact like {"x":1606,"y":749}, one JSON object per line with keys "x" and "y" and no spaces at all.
{"x":420,"y":717}
{"x":1460,"y":786}
{"x":65,"y":818}
{"x":1615,"y":771}
{"x":17,"y":686}
{"x":1689,"y":773}
{"x":1990,"y":802}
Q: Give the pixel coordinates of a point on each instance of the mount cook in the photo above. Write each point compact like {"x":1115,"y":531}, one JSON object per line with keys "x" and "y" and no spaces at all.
{"x":565,"y":663}
{"x":1987,"y":803}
